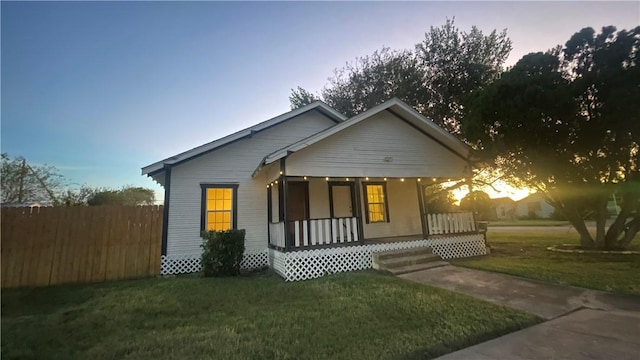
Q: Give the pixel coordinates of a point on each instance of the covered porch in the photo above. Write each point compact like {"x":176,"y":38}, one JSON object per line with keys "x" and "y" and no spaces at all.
{"x":318,"y":212}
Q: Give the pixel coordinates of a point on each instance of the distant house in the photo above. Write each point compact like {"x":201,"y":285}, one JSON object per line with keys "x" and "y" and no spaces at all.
{"x":503,"y":208}
{"x":316,"y":192}
{"x":534,"y":206}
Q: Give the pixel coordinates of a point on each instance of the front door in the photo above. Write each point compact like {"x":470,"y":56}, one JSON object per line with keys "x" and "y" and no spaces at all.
{"x":341,"y":200}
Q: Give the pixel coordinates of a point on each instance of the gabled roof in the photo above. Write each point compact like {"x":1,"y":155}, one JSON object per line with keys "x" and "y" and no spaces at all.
{"x":398,"y":108}
{"x":208,"y":147}
{"x":501,"y":200}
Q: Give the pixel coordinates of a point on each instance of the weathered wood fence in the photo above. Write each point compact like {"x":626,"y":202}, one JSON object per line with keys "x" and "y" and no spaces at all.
{"x":57,"y":245}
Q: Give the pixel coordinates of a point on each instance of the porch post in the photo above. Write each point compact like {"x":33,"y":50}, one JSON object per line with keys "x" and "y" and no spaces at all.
{"x":358,"y":210}
{"x":269,"y":214}
{"x":283,"y":203}
{"x":423,"y":215}
{"x":470,"y":188}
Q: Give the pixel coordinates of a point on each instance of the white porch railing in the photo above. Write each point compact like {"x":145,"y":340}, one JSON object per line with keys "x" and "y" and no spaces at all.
{"x":451,"y":223}
{"x":276,"y":234}
{"x":314,"y":232}
{"x":325,"y":231}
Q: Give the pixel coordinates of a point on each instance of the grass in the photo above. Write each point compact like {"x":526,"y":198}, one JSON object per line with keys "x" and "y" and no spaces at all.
{"x":525,"y":254}
{"x":347,"y":316}
{"x":532,"y":222}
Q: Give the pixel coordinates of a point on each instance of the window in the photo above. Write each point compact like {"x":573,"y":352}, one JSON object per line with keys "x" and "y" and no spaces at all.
{"x":375,"y":195}
{"x":219,"y":203}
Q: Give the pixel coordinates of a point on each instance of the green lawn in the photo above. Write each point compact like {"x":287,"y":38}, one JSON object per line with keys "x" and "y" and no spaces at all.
{"x":536,"y":222}
{"x":525,"y":254}
{"x":361,"y":315}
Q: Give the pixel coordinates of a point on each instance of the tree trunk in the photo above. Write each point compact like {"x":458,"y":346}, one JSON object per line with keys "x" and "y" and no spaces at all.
{"x":573,"y":215}
{"x":630,"y":231}
{"x":601,"y":219}
{"x":615,"y":237}
{"x":585,"y":237}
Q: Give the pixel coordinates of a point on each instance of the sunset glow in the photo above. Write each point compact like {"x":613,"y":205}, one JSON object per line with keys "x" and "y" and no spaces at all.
{"x":506,"y":190}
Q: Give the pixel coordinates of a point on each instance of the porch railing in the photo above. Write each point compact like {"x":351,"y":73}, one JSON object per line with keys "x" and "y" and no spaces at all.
{"x":451,"y":223}
{"x":303,"y":233}
{"x":276,"y":234}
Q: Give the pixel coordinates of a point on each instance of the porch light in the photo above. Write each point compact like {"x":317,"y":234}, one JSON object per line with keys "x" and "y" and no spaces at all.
{"x":305,"y":178}
{"x":347,"y":179}
{"x":367,"y":178}
{"x":327,"y":178}
{"x":402,"y":179}
{"x":418,"y":179}
{"x":434,"y":179}
{"x":385,"y":179}
{"x":267,"y":186}
{"x":280,"y":172}
{"x":276,"y":181}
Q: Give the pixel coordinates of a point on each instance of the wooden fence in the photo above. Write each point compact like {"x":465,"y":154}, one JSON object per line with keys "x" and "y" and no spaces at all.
{"x":57,"y":245}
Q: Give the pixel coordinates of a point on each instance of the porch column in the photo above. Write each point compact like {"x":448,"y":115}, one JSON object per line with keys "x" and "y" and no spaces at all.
{"x":358,"y":209}
{"x":423,"y":214}
{"x":269,"y":214}
{"x":283,"y":203}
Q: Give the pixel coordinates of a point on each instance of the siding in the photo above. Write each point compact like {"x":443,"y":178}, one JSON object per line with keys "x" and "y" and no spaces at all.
{"x":318,"y":198}
{"x":404,"y":211}
{"x":361,"y":150}
{"x":232,"y":164}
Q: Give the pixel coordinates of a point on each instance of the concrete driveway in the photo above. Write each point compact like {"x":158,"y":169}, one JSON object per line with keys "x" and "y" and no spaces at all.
{"x":584,"y":324}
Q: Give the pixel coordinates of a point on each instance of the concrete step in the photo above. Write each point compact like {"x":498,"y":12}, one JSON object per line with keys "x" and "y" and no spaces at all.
{"x":417,"y":267}
{"x":401,"y":253}
{"x":408,"y":260}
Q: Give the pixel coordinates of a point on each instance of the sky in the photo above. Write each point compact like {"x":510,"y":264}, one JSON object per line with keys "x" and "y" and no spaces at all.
{"x":102,"y":89}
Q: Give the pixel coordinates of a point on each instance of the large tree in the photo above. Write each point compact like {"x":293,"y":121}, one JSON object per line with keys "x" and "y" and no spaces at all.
{"x":24,"y":182}
{"x":478,"y":202}
{"x":436,"y":77}
{"x":567,"y":122}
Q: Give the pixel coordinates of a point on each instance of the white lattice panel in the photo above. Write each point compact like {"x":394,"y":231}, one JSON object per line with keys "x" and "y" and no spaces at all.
{"x":459,"y":246}
{"x":256,"y":260}
{"x":309,"y":264}
{"x":184,"y":264}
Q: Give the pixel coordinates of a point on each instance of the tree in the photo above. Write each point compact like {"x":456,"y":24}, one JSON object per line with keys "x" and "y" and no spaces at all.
{"x":438,"y":199}
{"x":567,"y":123}
{"x":374,"y":79}
{"x":24,"y":182}
{"x":436,"y":77}
{"x":129,"y":196}
{"x":457,"y":64}
{"x":301,"y":97}
{"x":477,"y":202}
{"x":77,"y":197}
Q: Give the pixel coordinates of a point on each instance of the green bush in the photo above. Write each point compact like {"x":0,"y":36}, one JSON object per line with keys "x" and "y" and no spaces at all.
{"x":222,"y":252}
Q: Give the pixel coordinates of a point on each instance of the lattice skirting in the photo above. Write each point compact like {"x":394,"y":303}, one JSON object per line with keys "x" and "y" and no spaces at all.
{"x":309,"y":264}
{"x":184,"y":264}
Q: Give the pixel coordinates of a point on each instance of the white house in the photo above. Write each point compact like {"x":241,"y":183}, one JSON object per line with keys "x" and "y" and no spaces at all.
{"x":534,"y":205}
{"x":317,"y":192}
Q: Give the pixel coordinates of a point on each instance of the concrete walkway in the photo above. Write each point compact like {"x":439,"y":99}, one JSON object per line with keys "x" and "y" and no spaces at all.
{"x":584,"y":324}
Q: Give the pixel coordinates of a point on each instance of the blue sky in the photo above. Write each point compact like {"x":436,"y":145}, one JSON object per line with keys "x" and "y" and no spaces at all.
{"x":101,"y":89}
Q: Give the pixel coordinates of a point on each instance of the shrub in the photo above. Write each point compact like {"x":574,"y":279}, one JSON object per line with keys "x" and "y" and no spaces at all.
{"x":222,"y":252}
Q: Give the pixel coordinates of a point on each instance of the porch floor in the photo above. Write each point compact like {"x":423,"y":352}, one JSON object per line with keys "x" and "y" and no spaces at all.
{"x":394,"y":239}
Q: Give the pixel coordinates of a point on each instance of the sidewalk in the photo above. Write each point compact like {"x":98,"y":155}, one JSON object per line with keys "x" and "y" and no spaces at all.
{"x":584,"y":324}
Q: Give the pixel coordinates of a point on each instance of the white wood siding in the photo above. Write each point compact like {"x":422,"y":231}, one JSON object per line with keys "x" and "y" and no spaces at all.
{"x":361,"y":151}
{"x":232,"y":164}
{"x":404,"y":211}
{"x":318,"y":198}
{"x":275,"y":204}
